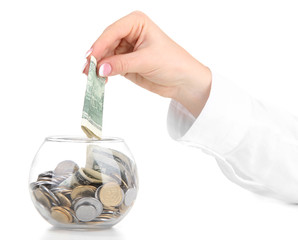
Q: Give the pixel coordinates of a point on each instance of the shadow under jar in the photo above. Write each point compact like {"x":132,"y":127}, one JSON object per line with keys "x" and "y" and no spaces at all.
{"x":77,"y":182}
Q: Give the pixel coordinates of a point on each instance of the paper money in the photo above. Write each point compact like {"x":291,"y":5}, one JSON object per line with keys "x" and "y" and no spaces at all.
{"x":109,"y":162}
{"x":101,"y":159}
{"x":93,"y":103}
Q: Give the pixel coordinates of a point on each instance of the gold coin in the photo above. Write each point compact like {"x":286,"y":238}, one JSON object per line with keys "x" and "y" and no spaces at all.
{"x":51,"y":196}
{"x":83,"y":191}
{"x":60,"y":214}
{"x":42,"y":198}
{"x":111,"y":194}
{"x":110,"y":209}
{"x":71,"y":212}
{"x":64,"y":201}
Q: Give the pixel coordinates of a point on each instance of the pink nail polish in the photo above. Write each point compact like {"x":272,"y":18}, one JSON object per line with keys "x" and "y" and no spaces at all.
{"x":88,"y":52}
{"x":104,"y":70}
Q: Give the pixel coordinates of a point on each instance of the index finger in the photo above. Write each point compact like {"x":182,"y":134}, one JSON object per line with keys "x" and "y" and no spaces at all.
{"x":129,"y":28}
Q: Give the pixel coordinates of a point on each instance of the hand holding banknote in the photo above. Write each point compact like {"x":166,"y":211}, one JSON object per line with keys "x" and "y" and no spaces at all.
{"x":138,"y":49}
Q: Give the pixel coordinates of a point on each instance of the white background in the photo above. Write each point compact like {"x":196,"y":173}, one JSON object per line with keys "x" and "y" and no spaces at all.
{"x":183,"y":193}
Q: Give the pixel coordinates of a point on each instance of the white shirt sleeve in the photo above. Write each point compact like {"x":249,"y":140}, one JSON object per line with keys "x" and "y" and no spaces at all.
{"x":256,"y":146}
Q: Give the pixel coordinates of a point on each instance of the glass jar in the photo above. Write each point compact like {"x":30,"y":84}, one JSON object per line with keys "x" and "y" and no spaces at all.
{"x":78,"y":182}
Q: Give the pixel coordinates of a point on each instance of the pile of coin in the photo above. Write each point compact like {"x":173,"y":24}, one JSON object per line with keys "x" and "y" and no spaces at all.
{"x":100,"y":192}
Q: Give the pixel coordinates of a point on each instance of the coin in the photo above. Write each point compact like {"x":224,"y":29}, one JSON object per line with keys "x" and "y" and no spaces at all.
{"x":130,"y":196}
{"x":60,"y":214}
{"x":87,"y":208}
{"x":83,"y":191}
{"x":71,"y":212}
{"x":51,"y":196}
{"x":105,"y":215}
{"x":64,"y":201}
{"x":47,"y":179}
{"x":44,"y":179}
{"x":101,"y":191}
{"x":66,"y":167}
{"x":120,"y":180}
{"x":62,"y":189}
{"x":111,"y":194}
{"x":49,"y":174}
{"x":98,"y":220}
{"x":41,"y":198}
{"x":122,"y":209}
{"x":86,"y":213}
{"x":105,"y":211}
{"x":33,"y":185}
{"x":89,"y":201}
{"x":50,"y":183}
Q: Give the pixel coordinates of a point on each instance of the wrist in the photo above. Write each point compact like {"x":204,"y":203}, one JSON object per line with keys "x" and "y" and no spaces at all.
{"x":194,"y":92}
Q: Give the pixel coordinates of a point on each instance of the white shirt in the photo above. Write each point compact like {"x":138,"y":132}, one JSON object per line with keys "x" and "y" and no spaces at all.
{"x":255,"y":145}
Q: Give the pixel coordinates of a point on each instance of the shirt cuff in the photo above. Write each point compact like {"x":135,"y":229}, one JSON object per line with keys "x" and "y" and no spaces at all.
{"x":222,"y":123}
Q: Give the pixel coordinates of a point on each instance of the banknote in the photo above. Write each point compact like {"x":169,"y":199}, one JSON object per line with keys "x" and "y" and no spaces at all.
{"x":93,"y":103}
{"x":110,"y":162}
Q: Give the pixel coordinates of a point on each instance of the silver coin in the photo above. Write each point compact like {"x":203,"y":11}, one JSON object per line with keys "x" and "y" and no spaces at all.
{"x":63,"y":190}
{"x":33,"y":185}
{"x":130,"y":196}
{"x":66,"y":167}
{"x":47,"y":179}
{"x":38,"y":183}
{"x":105,"y":211}
{"x":49,"y":174}
{"x":86,"y":213}
{"x":89,"y":201}
{"x":100,"y":220}
{"x":97,"y":192}
{"x":109,"y":216}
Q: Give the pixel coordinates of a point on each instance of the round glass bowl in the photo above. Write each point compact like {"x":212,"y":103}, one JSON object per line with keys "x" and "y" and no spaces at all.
{"x":77,"y":182}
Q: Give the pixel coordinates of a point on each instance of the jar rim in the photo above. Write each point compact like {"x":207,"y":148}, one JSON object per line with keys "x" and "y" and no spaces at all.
{"x":81,"y":139}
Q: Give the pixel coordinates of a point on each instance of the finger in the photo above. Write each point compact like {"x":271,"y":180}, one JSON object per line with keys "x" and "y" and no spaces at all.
{"x":86,"y":69}
{"x":123,"y":47}
{"x":129,"y":27}
{"x":121,"y":64}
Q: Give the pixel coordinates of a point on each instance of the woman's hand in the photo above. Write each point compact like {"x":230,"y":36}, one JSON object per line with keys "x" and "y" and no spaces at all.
{"x":139,"y":50}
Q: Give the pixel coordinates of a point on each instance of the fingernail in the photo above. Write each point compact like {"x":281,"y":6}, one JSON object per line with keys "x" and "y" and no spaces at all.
{"x":85,"y":66}
{"x":104,"y":70}
{"x":88,"y":52}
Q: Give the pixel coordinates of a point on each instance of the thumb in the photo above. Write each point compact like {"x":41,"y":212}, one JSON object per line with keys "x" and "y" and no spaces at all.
{"x":119,"y":64}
